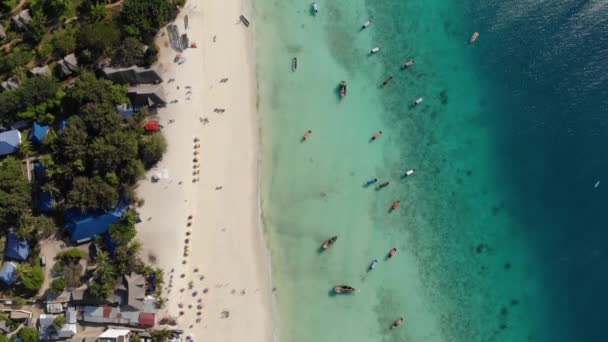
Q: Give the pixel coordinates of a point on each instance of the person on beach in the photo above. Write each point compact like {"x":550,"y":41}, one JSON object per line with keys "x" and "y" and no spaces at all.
{"x":395,"y":205}
{"x":306,"y":135}
{"x":397,"y":323}
{"x":377,"y":135}
{"x":392,"y":253}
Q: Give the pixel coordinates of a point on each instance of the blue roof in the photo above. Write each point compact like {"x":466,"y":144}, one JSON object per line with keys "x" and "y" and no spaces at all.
{"x":40,"y":172}
{"x":46,"y":201}
{"x":8,"y":275}
{"x":39,"y":132}
{"x":85,"y":226}
{"x":9,"y":142}
{"x":16,"y":249}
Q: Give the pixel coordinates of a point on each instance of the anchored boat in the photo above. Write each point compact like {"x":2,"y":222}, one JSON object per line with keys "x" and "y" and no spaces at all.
{"x":294,"y":64}
{"x":366,"y":24}
{"x":329,"y":242}
{"x":344,"y":289}
{"x":315,"y":8}
{"x":474,"y":37}
{"x":342,"y":88}
{"x":407,"y":64}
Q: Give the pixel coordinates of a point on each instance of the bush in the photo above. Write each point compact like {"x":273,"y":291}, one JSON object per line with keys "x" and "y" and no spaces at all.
{"x":72,"y":254}
{"x":58,"y":285}
{"x":59,"y":321}
{"x":28,"y":334}
{"x":31,"y":277}
{"x":152,"y":148}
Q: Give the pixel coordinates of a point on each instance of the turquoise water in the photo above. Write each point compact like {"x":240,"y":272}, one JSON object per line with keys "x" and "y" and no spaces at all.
{"x":465,"y":270}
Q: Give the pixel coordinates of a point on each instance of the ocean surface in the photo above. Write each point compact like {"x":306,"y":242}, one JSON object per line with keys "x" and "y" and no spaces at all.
{"x":501,"y":232}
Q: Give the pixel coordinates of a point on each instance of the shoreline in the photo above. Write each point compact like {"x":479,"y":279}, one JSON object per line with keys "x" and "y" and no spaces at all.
{"x":227,"y":270}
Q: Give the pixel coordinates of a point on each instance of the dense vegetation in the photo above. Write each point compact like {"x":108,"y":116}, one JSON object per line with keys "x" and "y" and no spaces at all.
{"x":93,"y":157}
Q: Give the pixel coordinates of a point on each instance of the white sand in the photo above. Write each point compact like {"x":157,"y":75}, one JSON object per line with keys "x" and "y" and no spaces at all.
{"x":226,"y":242}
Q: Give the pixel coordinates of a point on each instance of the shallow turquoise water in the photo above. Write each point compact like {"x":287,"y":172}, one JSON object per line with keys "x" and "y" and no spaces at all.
{"x":464,"y":271}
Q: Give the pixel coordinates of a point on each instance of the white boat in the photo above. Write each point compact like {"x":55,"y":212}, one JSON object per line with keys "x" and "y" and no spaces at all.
{"x":597,"y":184}
{"x":374,"y":50}
{"x":315,"y":8}
{"x":409,"y":172}
{"x":373,"y":264}
{"x":366,"y":24}
{"x":418,"y":101}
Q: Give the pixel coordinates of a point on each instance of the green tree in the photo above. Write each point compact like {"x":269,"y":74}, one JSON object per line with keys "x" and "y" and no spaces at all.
{"x":28,"y":334}
{"x":97,"y":38}
{"x":58,"y":285}
{"x":31,"y":277}
{"x":3,"y":338}
{"x":31,"y":227}
{"x":63,"y":42}
{"x":33,"y":92}
{"x":72,"y":254}
{"x":143,"y":18}
{"x":134,"y":338}
{"x":90,"y":194}
{"x":160,"y":335}
{"x":54,"y":8}
{"x":59,"y":321}
{"x":36,"y":29}
{"x":122,"y":232}
{"x":152,"y":148}
{"x":103,"y":280}
{"x":89,"y":89}
{"x":14,"y":191}
{"x":129,"y":52}
{"x":100,"y":118}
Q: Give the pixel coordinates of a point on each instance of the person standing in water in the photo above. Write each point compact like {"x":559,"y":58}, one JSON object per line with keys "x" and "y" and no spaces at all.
{"x":306,"y":135}
{"x":376,"y":135}
{"x":397,"y":323}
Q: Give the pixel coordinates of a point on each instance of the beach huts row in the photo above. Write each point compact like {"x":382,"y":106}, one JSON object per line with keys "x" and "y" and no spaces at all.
{"x":16,"y":250}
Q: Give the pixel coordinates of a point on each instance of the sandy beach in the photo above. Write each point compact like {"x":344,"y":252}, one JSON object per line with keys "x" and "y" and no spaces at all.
{"x":226,"y":272}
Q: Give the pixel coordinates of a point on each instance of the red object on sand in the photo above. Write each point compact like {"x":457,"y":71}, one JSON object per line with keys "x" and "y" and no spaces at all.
{"x":193,"y":45}
{"x":152,"y":126}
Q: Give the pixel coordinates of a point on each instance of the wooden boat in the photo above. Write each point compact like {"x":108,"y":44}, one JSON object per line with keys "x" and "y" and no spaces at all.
{"x":373,"y":265}
{"x":407,"y":64}
{"x":387,"y":80}
{"x":244,"y":20}
{"x":344,"y":289}
{"x":474,"y":37}
{"x":294,"y":64}
{"x":329,"y":242}
{"x":366,"y":24}
{"x":342,"y":89}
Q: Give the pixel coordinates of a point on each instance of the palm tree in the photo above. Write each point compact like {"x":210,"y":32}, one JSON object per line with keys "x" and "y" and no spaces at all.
{"x":25,"y":149}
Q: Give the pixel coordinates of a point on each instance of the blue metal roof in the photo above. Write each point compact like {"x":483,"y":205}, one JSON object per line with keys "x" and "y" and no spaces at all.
{"x":8,"y":275}
{"x":9,"y":142}
{"x":16,"y":249}
{"x":85,"y":226}
{"x":39,"y":132}
{"x":46,"y":201}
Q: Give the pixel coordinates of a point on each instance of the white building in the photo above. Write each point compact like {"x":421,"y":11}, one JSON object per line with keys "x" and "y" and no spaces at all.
{"x":115,"y":335}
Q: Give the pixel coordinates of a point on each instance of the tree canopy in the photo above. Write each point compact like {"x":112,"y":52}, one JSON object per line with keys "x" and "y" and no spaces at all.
{"x":28,"y":334}
{"x":143,"y":18}
{"x":31,"y":277}
{"x":14,"y":192}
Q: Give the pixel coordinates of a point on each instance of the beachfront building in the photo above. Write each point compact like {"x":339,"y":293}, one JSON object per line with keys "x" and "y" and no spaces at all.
{"x":40,"y":71}
{"x":67,"y":66}
{"x":10,"y":142}
{"x":38,"y":133}
{"x":146,"y":95}
{"x":132,"y":75}
{"x":86,"y":226}
{"x":116,"y":315}
{"x":11,"y":83}
{"x":16,"y":249}
{"x":22,"y":19}
{"x":8,"y":275}
{"x":48,"y":331}
{"x":115,"y":335}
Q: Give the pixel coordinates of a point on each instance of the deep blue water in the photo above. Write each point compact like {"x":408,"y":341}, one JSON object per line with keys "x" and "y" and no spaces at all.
{"x":547,"y":63}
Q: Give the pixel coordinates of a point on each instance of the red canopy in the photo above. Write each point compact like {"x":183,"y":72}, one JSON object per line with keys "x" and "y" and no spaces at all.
{"x":152,"y":126}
